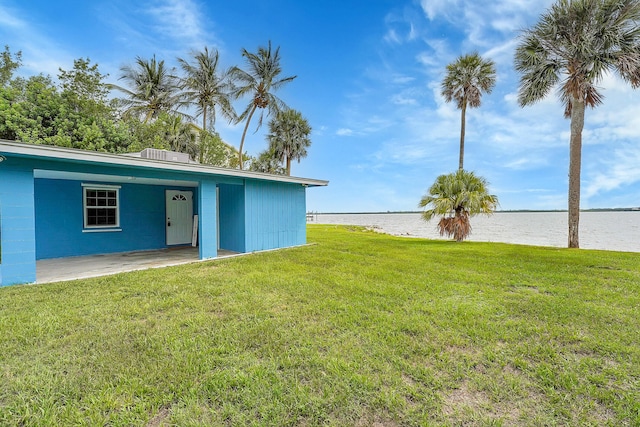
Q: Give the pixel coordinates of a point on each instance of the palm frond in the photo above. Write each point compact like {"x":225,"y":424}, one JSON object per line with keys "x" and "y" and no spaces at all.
{"x":580,"y":40}
{"x":457,"y":197}
{"x":467,"y":79}
{"x":260,"y":79}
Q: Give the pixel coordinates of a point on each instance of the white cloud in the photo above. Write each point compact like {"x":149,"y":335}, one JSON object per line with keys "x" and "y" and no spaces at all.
{"x":392,"y":37}
{"x":8,"y":19}
{"x":180,"y":19}
{"x":434,"y":8}
{"x":40,"y":53}
{"x":618,"y":170}
{"x":344,"y":132}
{"x":402,"y":80}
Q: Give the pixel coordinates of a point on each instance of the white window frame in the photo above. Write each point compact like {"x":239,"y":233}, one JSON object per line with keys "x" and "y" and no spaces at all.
{"x":98,"y":187}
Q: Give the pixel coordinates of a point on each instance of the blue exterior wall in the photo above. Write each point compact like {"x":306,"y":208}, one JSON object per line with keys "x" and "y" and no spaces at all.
{"x":275,"y":215}
{"x":17,"y":224}
{"x":43,"y":218}
{"x":207,"y":233}
{"x":59,"y":220}
{"x":232,"y":227}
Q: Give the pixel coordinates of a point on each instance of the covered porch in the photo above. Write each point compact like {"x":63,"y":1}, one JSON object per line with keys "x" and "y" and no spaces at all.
{"x":83,"y":267}
{"x":65,"y":203}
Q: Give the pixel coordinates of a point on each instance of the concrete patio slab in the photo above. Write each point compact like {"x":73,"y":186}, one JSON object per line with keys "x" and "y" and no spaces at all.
{"x":82,"y":267}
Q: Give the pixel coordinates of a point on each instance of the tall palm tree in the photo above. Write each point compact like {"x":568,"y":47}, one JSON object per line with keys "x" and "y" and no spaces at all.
{"x":260,"y":81}
{"x":207,"y":87}
{"x":289,"y":137}
{"x":573,"y":45}
{"x":457,"y":197}
{"x":153,"y":88}
{"x":467,"y":79}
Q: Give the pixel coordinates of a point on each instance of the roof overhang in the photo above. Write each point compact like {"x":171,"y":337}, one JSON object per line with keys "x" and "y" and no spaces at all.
{"x":47,"y":152}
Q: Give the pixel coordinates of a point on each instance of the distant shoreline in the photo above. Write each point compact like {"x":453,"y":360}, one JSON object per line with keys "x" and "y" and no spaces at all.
{"x":635,"y":209}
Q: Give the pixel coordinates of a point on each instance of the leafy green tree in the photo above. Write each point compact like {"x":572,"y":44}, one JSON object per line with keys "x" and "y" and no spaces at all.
{"x":289,"y":137}
{"x":75,"y":115}
{"x":153,"y":89}
{"x":32,"y":111}
{"x":260,"y":81}
{"x":214,"y":151}
{"x":88,"y":117}
{"x":574,"y":44}
{"x":84,"y":88}
{"x":8,"y":65}
{"x":467,"y":79}
{"x":457,"y":197}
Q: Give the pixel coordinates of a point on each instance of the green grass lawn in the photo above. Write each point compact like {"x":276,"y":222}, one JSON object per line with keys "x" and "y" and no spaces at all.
{"x":358,"y":329}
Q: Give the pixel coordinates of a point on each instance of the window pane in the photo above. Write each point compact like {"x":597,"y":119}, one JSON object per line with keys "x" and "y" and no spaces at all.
{"x":101,"y":216}
{"x":101,"y":207}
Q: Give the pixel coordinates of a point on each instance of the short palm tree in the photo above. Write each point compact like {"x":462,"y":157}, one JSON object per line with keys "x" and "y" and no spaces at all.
{"x":207,"y":87}
{"x":179,"y":135}
{"x":575,"y":43}
{"x":260,"y":81}
{"x":467,"y":79}
{"x":289,"y":137}
{"x":268,"y":163}
{"x":153,"y":88}
{"x":457,"y":197}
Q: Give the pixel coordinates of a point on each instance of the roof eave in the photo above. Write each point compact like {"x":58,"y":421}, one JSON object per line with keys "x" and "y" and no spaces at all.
{"x":85,"y":156}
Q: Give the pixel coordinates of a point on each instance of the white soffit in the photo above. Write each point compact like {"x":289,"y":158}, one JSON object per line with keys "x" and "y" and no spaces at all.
{"x":94,"y":177}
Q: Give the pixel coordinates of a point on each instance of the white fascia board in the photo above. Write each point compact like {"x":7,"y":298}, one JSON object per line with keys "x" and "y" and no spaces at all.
{"x":84,"y":156}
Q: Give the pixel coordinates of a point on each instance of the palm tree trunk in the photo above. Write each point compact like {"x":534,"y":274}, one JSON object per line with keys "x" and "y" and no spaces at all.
{"x":202,"y":134}
{"x":244,"y":133}
{"x":288,"y":166}
{"x":462,"y":132}
{"x":575,"y":159}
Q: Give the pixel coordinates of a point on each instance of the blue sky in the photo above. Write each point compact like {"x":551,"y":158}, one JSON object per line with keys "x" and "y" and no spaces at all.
{"x":369,"y":74}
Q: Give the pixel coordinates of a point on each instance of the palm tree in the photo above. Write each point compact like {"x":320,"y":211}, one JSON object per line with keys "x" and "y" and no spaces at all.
{"x":467,"y":79}
{"x":153,"y":88}
{"x":179,"y":135}
{"x":268,"y":163}
{"x":260,"y":81}
{"x":574,"y":44}
{"x":289,"y":137}
{"x":207,"y":87}
{"x":457,"y":197}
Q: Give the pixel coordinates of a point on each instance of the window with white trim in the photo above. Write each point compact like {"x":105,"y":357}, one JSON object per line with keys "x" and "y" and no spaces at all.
{"x":101,"y":204}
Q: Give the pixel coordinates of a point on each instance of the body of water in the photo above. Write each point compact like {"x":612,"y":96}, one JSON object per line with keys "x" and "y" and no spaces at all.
{"x":617,"y":231}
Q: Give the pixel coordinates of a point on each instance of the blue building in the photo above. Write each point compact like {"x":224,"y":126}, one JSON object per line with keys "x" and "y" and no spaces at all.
{"x":58,"y":202}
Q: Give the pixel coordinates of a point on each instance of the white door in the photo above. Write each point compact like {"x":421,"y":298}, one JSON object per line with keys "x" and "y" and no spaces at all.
{"x":179,"y":217}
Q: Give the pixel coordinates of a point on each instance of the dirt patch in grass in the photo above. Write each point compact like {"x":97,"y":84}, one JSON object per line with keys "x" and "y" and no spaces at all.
{"x":159,"y":418}
{"x":462,"y":399}
{"x":468,"y":407}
